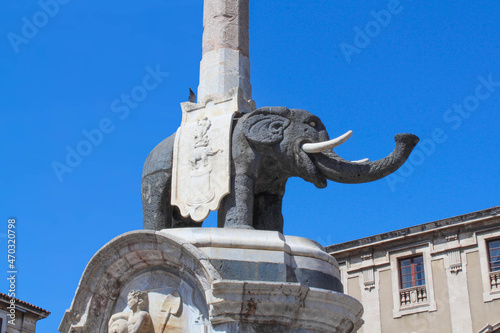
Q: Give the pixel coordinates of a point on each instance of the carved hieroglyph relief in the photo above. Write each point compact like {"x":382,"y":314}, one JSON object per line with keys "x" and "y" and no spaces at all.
{"x":202,"y":152}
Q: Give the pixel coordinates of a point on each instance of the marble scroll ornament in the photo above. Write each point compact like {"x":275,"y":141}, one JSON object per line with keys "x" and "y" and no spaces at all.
{"x":201,"y":156}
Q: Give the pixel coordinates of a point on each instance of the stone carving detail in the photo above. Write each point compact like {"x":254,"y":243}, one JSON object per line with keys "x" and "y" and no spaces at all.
{"x":200,"y":190}
{"x":171,"y":306}
{"x":455,"y":261}
{"x":368,"y":272}
{"x":367,"y":256}
{"x":452,"y":238}
{"x":454,"y":254}
{"x":369,"y":278}
{"x":139,"y":319}
{"x":201,"y":154}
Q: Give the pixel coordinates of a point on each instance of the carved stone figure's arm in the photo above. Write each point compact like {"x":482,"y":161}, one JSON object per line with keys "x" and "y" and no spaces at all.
{"x":116,"y":317}
{"x":119,"y":315}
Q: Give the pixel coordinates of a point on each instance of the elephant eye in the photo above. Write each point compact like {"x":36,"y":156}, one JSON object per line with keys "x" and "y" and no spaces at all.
{"x":276,"y":127}
{"x":312,"y":124}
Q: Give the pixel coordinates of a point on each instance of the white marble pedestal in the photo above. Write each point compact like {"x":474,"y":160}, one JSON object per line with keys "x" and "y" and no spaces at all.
{"x":215,"y":280}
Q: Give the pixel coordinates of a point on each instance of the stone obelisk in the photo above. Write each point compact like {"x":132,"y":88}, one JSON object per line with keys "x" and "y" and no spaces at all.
{"x":225,"y":64}
{"x":201,"y":161}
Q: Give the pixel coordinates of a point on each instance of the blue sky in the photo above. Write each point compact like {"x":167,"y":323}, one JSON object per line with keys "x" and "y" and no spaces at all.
{"x":431,"y":69}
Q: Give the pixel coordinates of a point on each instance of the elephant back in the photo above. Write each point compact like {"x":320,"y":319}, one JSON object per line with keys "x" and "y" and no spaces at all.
{"x":160,"y":158}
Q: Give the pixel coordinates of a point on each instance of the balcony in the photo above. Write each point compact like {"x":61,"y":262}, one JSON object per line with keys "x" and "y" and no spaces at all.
{"x":495,"y":281}
{"x":413,"y":296}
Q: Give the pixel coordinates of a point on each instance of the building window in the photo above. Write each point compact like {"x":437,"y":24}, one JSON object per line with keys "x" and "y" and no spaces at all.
{"x":412,"y":272}
{"x":494,"y":263}
{"x":494,"y":250}
{"x":489,"y":250}
{"x":412,"y":285}
{"x":412,"y":277}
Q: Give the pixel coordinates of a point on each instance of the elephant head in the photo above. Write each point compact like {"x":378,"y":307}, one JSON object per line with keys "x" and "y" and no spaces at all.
{"x":269,"y":145}
{"x":273,"y":144}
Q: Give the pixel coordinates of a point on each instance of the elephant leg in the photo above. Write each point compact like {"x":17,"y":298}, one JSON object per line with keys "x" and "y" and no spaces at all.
{"x":156,"y":208}
{"x":158,"y":213}
{"x":237,"y":207}
{"x":267,"y":212}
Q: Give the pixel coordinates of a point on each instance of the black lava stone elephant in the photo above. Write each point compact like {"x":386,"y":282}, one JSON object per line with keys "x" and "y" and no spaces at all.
{"x":269,"y":145}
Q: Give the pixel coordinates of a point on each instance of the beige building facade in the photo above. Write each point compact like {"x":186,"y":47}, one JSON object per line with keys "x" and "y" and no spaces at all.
{"x":442,"y":276}
{"x":17,"y":316}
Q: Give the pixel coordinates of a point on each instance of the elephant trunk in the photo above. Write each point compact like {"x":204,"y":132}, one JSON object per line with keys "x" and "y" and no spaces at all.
{"x":339,"y":170}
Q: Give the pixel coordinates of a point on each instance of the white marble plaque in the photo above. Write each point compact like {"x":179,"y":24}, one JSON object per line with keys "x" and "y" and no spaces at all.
{"x":202,"y":151}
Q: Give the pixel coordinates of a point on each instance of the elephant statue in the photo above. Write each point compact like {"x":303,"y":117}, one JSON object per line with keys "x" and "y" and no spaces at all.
{"x":269,"y":145}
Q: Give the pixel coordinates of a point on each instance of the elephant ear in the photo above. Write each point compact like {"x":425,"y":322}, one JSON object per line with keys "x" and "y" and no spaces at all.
{"x":266,"y":126}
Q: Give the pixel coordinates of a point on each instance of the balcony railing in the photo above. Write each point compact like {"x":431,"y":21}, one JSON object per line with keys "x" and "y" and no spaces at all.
{"x":495,"y":280}
{"x":413,"y":296}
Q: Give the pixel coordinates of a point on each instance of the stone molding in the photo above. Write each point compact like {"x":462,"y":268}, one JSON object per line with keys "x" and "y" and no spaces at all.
{"x":204,"y":238}
{"x":466,"y":221}
{"x":490,"y":328}
{"x":444,"y":240}
{"x":286,"y":305}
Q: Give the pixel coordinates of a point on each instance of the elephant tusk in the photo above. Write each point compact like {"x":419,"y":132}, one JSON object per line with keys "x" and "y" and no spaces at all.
{"x":318,"y":147}
{"x":361,"y":161}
